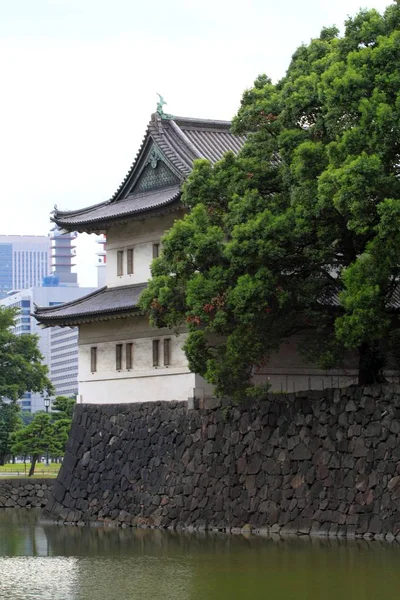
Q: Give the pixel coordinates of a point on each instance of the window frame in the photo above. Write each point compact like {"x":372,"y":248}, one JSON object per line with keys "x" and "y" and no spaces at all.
{"x":130,"y":261}
{"x":167,"y":351}
{"x":120,"y":263}
{"x":93,"y":359}
{"x":156,"y":250}
{"x":129,"y":355}
{"x":118,"y":357}
{"x":156,"y":352}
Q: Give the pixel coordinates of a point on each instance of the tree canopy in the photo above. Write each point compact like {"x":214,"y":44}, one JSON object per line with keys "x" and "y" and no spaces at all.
{"x":42,"y":436}
{"x":21,"y":370}
{"x":63,"y":407}
{"x":300,"y":231}
{"x":21,"y":367}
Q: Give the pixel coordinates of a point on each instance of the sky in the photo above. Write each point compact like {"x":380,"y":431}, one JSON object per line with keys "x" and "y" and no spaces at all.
{"x":79,"y":80}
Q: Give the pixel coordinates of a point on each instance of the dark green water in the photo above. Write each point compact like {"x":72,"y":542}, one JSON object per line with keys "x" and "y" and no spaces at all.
{"x":69,"y":563}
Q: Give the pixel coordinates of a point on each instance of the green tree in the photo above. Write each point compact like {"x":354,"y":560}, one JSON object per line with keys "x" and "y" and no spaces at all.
{"x":300,"y":232}
{"x":35,"y":440}
{"x":60,"y":435}
{"x":10,"y":420}
{"x":21,"y":367}
{"x":63,"y":407}
{"x":21,"y":370}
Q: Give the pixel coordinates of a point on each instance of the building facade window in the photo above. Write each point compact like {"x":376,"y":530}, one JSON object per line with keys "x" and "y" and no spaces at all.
{"x":156,"y":353}
{"x":156,"y":250}
{"x":129,"y":261}
{"x":167,"y":352}
{"x":93,"y":359}
{"x":120,"y":263}
{"x":129,"y":355}
{"x":118,"y":357}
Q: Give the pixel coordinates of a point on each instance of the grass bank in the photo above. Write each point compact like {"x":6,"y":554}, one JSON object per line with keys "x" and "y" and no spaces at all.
{"x":22,"y":470}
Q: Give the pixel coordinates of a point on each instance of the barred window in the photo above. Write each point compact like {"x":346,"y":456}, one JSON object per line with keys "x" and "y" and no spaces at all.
{"x":118,"y":357}
{"x":93,"y":359}
{"x":120,"y":262}
{"x":156,"y":353}
{"x":156,"y":250}
{"x":167,"y":351}
{"x":129,"y":355}
{"x":129,"y":262}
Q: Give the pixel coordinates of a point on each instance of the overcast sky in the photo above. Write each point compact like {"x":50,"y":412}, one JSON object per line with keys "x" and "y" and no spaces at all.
{"x":79,"y":81}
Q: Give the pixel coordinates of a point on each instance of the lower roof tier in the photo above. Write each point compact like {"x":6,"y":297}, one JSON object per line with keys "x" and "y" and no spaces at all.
{"x":104,"y":302}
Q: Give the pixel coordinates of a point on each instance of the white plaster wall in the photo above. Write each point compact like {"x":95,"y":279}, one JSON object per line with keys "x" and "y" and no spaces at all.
{"x":141,"y":383}
{"x":139,"y":235}
{"x":171,"y":386}
{"x":288,"y":371}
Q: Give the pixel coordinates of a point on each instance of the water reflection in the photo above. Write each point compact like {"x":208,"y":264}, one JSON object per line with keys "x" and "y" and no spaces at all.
{"x":71,"y":563}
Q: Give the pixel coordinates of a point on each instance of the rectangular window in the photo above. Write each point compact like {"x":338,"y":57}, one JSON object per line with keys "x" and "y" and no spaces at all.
{"x":129,"y":263}
{"x":93,"y":359}
{"x":156,"y":353}
{"x":167,"y":352}
{"x":120,"y":262}
{"x":129,"y":355}
{"x":118,"y":357}
{"x":156,"y":250}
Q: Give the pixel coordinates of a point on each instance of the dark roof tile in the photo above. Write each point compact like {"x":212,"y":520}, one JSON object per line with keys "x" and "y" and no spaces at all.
{"x":105,"y":301}
{"x":182,"y":141}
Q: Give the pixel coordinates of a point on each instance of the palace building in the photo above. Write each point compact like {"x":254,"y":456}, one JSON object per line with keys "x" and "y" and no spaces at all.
{"x":122,"y":358}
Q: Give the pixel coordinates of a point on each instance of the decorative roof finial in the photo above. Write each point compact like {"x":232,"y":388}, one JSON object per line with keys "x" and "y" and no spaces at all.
{"x":160,"y":104}
{"x":160,"y":110}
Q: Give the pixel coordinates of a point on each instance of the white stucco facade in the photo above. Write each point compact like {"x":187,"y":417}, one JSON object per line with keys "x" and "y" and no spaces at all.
{"x":141,"y":237}
{"x":143,"y":381}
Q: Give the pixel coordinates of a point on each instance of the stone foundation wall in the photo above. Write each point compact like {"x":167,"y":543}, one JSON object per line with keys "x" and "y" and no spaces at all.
{"x":325,"y":463}
{"x":15,"y":493}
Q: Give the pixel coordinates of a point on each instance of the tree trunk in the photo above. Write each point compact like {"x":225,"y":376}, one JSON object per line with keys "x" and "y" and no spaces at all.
{"x":33,"y":465}
{"x":370,"y":365}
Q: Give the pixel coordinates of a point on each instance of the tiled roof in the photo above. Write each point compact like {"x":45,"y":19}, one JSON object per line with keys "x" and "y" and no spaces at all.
{"x":128,"y":207}
{"x":105,"y":301}
{"x":181,"y":141}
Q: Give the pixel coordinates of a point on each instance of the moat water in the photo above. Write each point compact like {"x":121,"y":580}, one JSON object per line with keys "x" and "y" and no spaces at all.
{"x":49,"y":562}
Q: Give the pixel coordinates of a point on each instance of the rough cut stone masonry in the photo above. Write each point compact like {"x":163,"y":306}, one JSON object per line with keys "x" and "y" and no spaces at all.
{"x":324,"y":463}
{"x":15,"y":493}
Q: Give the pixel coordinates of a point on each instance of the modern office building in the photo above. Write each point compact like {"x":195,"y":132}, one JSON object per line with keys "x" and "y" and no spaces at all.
{"x":59,"y":345}
{"x":24,"y":261}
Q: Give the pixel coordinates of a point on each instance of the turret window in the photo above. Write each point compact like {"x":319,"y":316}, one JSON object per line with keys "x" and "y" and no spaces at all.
{"x":129,"y":355}
{"x":93,"y":359}
{"x":129,"y":261}
{"x":156,"y":250}
{"x":118,"y":357}
{"x":167,"y":352}
{"x":156,"y":353}
{"x":120,"y":263}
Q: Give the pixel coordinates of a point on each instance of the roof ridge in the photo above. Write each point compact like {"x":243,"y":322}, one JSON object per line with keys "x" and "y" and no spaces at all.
{"x":203,"y":121}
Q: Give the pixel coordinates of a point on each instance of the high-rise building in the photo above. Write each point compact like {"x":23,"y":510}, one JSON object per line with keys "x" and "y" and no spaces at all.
{"x":58,"y":345}
{"x":24,"y":261}
{"x":62,"y":253}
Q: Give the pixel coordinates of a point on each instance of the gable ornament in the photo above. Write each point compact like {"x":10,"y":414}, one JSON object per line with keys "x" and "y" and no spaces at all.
{"x":160,"y":111}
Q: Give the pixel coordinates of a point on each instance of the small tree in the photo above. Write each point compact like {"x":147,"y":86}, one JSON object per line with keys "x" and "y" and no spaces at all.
{"x":10,"y":420}
{"x":35,"y":440}
{"x":21,"y":371}
{"x":60,"y":435}
{"x":21,"y":367}
{"x":63,"y":407}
